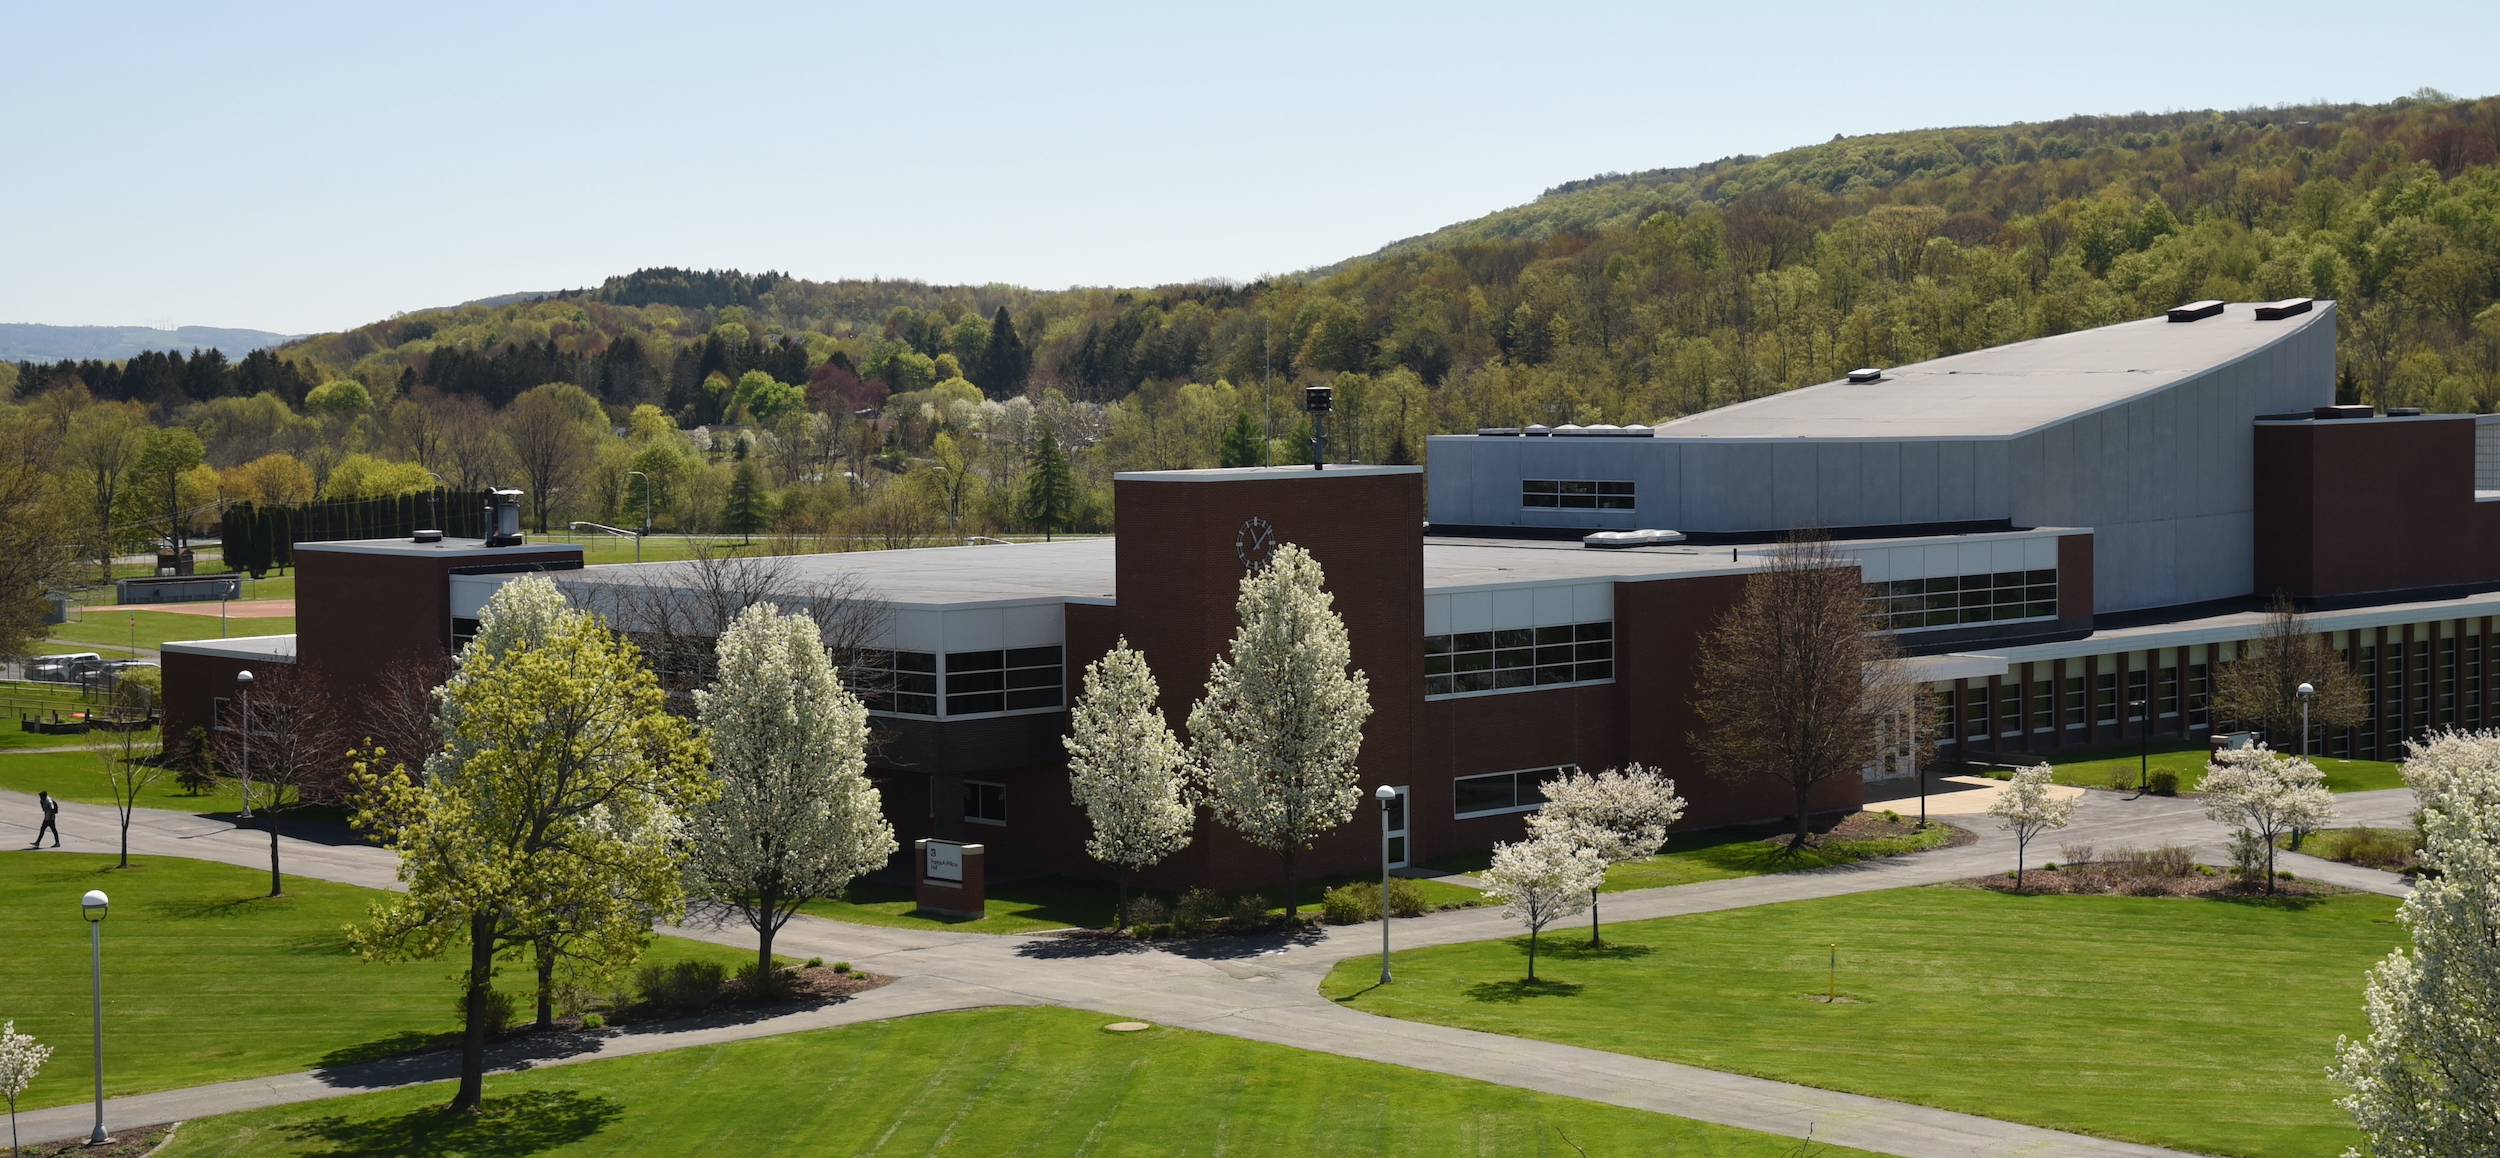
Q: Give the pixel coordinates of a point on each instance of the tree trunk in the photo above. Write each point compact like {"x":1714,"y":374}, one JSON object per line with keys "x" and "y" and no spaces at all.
{"x":1531,"y":954}
{"x":1119,"y":920}
{"x":273,"y":851}
{"x":56,"y":836}
{"x":2019,"y":844}
{"x":543,"y":955}
{"x":1805,"y":805}
{"x":1293,"y":907}
{"x":472,"y":1092}
{"x":1593,"y":941}
{"x":768,"y":906}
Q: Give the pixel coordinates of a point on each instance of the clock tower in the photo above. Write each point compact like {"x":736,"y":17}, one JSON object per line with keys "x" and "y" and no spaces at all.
{"x":1186,"y":539}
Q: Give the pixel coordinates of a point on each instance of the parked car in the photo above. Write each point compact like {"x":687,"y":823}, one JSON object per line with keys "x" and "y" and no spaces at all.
{"x":64,"y":669}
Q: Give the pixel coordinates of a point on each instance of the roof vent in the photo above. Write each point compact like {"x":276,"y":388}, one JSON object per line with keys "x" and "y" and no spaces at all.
{"x":2277,"y":311}
{"x":1536,"y":431}
{"x":2195,"y":311}
{"x":1866,"y":374}
{"x":2326,"y":412}
{"x":426,"y":537}
{"x":2404,"y":412}
{"x":1497,"y":432}
{"x":1617,"y":540}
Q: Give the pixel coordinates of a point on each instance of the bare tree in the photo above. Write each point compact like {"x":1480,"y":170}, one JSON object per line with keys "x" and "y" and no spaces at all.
{"x":2263,"y":685}
{"x":550,"y":445}
{"x":475,"y":454}
{"x":1797,"y":687}
{"x":297,"y":750}
{"x":125,"y":773}
{"x":399,"y":714}
{"x":676,"y":612}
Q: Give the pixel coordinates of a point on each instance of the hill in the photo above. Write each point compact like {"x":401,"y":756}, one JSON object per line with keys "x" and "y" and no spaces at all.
{"x":23,"y":342}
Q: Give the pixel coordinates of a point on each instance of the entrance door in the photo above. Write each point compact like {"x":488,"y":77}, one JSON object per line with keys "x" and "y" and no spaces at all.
{"x":1397,"y":830}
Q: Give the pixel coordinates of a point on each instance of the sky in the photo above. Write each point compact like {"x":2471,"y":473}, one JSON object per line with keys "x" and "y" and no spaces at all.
{"x":300,"y":168}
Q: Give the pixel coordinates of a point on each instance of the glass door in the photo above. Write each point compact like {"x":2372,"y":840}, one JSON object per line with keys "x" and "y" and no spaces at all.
{"x":1395,"y":847}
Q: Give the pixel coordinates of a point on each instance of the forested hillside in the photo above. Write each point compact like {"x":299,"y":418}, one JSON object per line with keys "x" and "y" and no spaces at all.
{"x":893,"y":411}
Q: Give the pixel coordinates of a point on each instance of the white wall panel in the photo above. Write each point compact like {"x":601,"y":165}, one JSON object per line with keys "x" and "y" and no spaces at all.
{"x":1471,"y":611}
{"x":1436,"y":615}
{"x":1592,"y":602}
{"x":1553,"y":606}
{"x":1514,"y":608}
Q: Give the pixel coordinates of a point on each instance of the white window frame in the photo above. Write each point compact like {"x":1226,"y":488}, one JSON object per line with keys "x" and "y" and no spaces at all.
{"x":1556,"y":769}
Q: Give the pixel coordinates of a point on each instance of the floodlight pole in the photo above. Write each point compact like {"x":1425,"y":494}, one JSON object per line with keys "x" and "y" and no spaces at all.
{"x":92,"y":907}
{"x":2306,"y":691}
{"x":646,"y":512}
{"x":2144,"y":744}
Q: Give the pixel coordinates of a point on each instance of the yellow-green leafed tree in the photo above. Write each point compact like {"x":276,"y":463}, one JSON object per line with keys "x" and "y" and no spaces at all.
{"x":548,"y":819}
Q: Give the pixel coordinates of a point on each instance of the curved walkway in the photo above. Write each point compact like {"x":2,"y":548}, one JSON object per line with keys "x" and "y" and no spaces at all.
{"x":1264,"y":988}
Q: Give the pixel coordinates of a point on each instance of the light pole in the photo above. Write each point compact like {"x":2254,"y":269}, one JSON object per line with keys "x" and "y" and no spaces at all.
{"x":92,"y":907}
{"x":1386,"y":796}
{"x":2144,"y":745}
{"x":646,"y":512}
{"x":243,"y":680}
{"x":2306,"y":691}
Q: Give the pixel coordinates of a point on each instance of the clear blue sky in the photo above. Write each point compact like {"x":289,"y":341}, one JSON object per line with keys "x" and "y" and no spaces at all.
{"x":308,"y":167}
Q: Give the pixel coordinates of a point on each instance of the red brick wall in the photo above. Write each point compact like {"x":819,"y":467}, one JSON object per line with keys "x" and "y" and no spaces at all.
{"x":193,"y":683}
{"x":2074,"y":580}
{"x":2357,"y":506}
{"x":359,"y":613}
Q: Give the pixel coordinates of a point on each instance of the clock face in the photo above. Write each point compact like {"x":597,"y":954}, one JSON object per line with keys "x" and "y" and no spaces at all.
{"x":1255,"y":543}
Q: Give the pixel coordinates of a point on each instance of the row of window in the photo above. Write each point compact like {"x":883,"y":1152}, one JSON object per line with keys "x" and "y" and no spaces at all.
{"x":1500,"y":792}
{"x":2044,"y":705}
{"x":1953,"y":600}
{"x":971,"y":683}
{"x":1519,"y":657}
{"x":1575,"y":494}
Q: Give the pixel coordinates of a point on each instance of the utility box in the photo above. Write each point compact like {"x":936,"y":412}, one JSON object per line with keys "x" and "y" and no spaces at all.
{"x":953,"y":879}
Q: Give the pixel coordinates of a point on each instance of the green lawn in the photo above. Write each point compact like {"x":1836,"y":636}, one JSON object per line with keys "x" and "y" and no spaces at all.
{"x":2189,"y":764}
{"x":110,"y":632}
{"x":985,"y":1082}
{"x":207,"y":979}
{"x":77,"y":777}
{"x":1719,"y":854}
{"x":2200,"y":1024}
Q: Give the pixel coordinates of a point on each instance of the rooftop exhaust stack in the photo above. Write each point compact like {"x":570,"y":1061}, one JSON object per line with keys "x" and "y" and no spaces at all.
{"x":2195,"y":310}
{"x":503,"y":517}
{"x":1317,"y":400}
{"x":1867,"y":374}
{"x":2277,"y":311}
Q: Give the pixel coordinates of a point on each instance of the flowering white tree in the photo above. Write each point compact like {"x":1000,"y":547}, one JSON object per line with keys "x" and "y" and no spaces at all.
{"x":2266,"y":794}
{"x":2026,"y":806}
{"x":1276,"y":734}
{"x":20,"y":1060}
{"x":796,"y":818}
{"x":2426,"y":1082}
{"x":1541,"y":881}
{"x":1623,"y":816}
{"x":1127,"y":769}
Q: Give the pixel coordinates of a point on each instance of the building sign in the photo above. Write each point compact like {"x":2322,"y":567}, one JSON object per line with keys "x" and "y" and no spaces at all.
{"x":946,"y":860}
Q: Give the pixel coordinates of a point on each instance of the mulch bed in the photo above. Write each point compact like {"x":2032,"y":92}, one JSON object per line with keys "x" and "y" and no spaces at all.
{"x":1881,"y":825}
{"x":810,"y":985}
{"x":126,"y":1143}
{"x":2097,"y":880}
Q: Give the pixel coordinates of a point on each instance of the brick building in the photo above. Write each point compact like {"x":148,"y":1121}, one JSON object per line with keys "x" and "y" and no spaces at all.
{"x":2067,"y":535}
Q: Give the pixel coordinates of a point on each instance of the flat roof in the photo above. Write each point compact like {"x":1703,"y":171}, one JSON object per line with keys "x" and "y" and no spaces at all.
{"x":1248,"y":473}
{"x":267,"y":648}
{"x":987,"y":573}
{"x":2004,"y":391}
{"x":453,"y":548}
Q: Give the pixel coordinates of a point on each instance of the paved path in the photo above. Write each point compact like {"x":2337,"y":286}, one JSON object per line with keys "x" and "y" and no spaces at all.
{"x":163,"y":832}
{"x":1263,"y":988}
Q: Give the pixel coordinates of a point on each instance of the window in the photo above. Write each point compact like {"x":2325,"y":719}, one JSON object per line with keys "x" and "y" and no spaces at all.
{"x":462,"y":631}
{"x":2074,"y":701}
{"x":1913,"y":604}
{"x":2169,"y":692}
{"x":2197,"y":690}
{"x":2136,"y":681}
{"x":1518,"y":657}
{"x":2473,"y":674}
{"x":1975,"y":702}
{"x":2448,"y":680}
{"x":1014,"y":680}
{"x":1501,"y":792}
{"x":2107,"y":699}
{"x":2421,"y":683}
{"x":901,"y":682}
{"x":1944,"y":717}
{"x":217,"y":714}
{"x":1575,"y":494}
{"x":2043,"y":705}
{"x":2010,"y":709}
{"x":985,"y":803}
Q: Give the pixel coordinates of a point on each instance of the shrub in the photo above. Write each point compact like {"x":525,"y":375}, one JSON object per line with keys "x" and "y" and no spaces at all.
{"x":840,"y":966}
{"x":815,"y":962}
{"x":1197,"y":907}
{"x":594,"y":1021}
{"x":2121,"y":779}
{"x":499,"y":1008}
{"x":1407,"y":899}
{"x":683,"y":985}
{"x":1350,"y":904}
{"x":2076,"y":853}
{"x":762,"y":984}
{"x":2164,"y":783}
{"x":195,"y":769}
{"x":1248,"y":911}
{"x":2248,"y":855}
{"x":1144,"y":910}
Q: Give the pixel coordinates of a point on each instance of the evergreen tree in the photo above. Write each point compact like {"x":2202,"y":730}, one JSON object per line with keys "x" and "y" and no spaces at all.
{"x":1242,"y":443}
{"x":1049,"y":490}
{"x":747,"y":509}
{"x":1003,"y":365}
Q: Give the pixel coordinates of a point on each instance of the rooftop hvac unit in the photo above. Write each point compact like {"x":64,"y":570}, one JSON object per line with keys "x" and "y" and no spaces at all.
{"x":503,"y":517}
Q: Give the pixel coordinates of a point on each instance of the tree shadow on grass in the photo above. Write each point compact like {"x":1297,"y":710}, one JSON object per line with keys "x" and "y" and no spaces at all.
{"x":2281,"y":901}
{"x":529,"y":1122}
{"x":1583,"y":951}
{"x":221,"y":908}
{"x":1514,"y":992}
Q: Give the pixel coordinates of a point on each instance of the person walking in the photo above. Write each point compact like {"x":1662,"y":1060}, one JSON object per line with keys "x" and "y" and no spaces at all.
{"x":51,"y":820}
